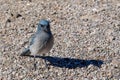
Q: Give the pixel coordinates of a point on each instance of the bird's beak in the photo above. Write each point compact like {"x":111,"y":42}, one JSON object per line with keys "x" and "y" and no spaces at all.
{"x":46,"y":30}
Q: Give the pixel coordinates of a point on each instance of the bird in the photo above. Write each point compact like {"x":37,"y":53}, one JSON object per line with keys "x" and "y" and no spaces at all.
{"x":42,"y":40}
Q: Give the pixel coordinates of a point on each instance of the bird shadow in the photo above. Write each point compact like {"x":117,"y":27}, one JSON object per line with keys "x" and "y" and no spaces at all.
{"x":70,"y":63}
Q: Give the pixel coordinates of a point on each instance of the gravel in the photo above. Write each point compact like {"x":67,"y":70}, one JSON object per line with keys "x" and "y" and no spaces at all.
{"x":86,"y":33}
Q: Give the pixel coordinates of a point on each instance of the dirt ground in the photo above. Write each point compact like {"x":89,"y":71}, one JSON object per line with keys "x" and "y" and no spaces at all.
{"x":86,"y":33}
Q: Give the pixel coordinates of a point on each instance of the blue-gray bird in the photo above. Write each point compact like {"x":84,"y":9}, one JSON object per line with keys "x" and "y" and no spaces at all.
{"x":41,"y":42}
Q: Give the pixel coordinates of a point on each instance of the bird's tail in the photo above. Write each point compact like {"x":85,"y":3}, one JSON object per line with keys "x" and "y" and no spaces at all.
{"x":25,"y":52}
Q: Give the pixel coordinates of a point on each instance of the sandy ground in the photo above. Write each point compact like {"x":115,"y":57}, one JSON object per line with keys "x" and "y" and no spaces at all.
{"x":87,"y":39}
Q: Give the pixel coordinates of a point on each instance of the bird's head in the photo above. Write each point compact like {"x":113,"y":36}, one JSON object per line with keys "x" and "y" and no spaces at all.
{"x":44,"y":25}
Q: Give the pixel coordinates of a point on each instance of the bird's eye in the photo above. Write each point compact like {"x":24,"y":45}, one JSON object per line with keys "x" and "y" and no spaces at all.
{"x":42,"y":25}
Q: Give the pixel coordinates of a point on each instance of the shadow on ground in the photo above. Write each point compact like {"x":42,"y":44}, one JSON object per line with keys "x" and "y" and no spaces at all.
{"x":70,"y":63}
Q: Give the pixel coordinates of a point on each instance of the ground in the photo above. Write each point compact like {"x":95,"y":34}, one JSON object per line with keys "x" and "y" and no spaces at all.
{"x":86,"y":39}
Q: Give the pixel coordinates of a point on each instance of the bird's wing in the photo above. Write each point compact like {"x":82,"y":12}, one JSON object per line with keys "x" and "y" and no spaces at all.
{"x":31,"y":41}
{"x":32,"y":38}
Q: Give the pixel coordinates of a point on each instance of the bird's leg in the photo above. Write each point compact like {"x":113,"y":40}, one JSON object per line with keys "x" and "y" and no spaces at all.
{"x":34,"y":62}
{"x":46,"y":64}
